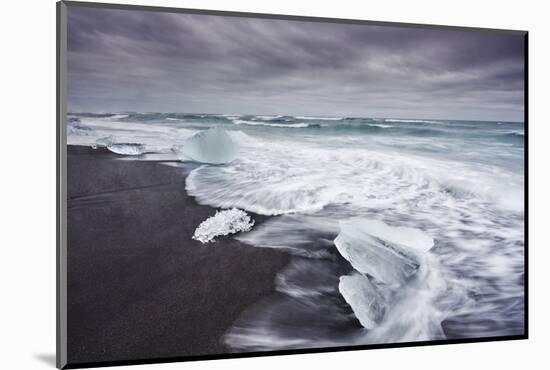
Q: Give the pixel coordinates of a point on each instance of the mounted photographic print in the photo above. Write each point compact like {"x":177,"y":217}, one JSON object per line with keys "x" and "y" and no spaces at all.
{"x":235,"y":184}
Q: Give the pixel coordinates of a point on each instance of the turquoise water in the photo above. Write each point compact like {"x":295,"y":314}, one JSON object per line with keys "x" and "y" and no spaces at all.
{"x":460,"y":183}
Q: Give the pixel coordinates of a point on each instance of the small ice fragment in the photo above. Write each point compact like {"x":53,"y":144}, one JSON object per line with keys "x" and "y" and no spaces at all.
{"x":127,"y":148}
{"x":226,"y":222}
{"x":361,"y":294}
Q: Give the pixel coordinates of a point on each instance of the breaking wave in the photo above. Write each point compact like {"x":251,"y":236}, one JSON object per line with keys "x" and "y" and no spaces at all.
{"x":259,"y":123}
{"x":397,"y":230}
{"x":413,"y":121}
{"x":515,"y":133}
{"x":392,"y":270}
{"x":319,"y":118}
{"x":379,"y":125}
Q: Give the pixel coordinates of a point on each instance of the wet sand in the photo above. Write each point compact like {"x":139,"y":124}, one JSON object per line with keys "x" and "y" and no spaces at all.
{"x":138,"y":286}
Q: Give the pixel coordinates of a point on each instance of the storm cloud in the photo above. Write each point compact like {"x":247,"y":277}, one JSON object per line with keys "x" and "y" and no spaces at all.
{"x":143,"y":61}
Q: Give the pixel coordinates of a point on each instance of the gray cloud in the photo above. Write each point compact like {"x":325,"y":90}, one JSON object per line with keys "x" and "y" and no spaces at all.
{"x":128,"y":60}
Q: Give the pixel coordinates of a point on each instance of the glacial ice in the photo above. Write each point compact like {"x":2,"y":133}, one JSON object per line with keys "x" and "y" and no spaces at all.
{"x":365,"y":300}
{"x":226,"y":222}
{"x":127,"y":148}
{"x":213,"y":146}
{"x":384,"y":257}
{"x":389,"y":254}
{"x":103,"y":142}
{"x":407,"y":236}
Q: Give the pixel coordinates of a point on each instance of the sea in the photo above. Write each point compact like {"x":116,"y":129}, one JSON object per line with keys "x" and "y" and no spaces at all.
{"x":398,"y":230}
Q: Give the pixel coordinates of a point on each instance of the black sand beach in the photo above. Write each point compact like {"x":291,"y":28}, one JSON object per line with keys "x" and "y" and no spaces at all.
{"x":139,"y":286}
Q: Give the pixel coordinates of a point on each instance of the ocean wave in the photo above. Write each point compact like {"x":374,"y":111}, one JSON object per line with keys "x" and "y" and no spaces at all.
{"x":413,"y":121}
{"x":319,"y":118}
{"x":515,"y":133}
{"x":119,"y":116}
{"x":259,"y":123}
{"x":267,"y":118}
{"x":379,"y":125}
{"x":92,"y":115}
{"x":228,"y":115}
{"x":469,"y":202}
{"x":283,"y":178}
{"x":357,"y":126}
{"x":75,"y":127}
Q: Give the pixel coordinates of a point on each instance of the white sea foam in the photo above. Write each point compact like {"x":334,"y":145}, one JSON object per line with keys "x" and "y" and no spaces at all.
{"x":267,"y":118}
{"x":156,"y":137}
{"x":277,"y":177}
{"x":118,"y":116}
{"x":75,"y":130}
{"x":379,"y":125}
{"x":413,"y":121}
{"x":228,"y":115}
{"x":468,"y":206}
{"x":469,"y":198}
{"x":319,"y":118}
{"x":417,"y":309}
{"x":297,"y":230}
{"x":260,"y":123}
{"x":516,"y":132}
{"x":226,"y":222}
{"x":241,"y":137}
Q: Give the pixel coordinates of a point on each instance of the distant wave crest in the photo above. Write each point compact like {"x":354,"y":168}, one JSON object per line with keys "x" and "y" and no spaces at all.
{"x":261,"y":123}
{"x":319,"y":118}
{"x":413,"y":121}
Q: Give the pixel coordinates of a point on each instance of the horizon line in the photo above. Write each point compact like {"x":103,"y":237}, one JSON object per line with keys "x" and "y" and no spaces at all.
{"x":295,"y":116}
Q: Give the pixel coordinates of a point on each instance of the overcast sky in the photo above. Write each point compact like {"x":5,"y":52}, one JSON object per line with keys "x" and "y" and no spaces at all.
{"x":128,"y":60}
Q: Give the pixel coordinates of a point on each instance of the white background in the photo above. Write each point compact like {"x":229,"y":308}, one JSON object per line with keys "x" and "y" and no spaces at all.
{"x":27,"y":206}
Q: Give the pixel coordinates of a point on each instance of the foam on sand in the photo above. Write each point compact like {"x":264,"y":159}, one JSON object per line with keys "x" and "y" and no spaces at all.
{"x":213,"y":146}
{"x":226,"y":222}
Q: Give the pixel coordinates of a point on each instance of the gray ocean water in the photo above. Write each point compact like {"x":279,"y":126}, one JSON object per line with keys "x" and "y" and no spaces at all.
{"x":375,"y":182}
